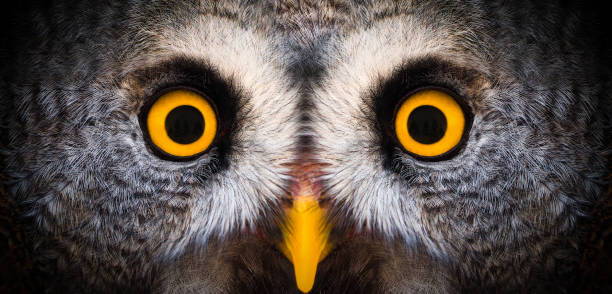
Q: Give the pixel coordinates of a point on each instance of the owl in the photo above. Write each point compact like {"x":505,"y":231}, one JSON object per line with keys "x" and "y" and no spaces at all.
{"x":304,"y":146}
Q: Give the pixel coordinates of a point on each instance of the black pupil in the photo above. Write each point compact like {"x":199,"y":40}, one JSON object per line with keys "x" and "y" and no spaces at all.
{"x":426,"y":124}
{"x":185,"y":124}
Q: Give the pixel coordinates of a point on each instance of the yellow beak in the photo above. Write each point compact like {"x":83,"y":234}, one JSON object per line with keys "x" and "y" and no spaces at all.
{"x":305,"y":239}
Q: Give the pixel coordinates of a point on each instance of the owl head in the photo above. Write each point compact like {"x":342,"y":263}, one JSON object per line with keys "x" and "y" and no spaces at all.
{"x":281,"y":146}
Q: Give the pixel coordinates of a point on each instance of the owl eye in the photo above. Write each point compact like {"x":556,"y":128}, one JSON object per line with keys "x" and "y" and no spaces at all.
{"x":181,"y":123}
{"x":429,"y":123}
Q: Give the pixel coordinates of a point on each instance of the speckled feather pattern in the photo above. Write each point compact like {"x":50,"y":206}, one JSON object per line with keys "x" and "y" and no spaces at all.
{"x":305,"y":81}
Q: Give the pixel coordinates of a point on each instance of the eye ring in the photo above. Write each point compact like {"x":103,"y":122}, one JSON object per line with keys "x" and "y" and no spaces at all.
{"x":431,"y":101}
{"x":155,"y":122}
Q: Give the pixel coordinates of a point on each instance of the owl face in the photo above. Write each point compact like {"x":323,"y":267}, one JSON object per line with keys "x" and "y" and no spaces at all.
{"x":205,"y":147}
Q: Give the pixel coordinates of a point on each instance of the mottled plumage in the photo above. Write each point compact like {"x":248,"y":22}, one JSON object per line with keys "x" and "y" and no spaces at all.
{"x":305,"y":83}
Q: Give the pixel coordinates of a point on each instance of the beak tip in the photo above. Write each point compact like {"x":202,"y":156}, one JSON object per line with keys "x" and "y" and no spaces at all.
{"x":304,"y":281}
{"x":305,"y":289}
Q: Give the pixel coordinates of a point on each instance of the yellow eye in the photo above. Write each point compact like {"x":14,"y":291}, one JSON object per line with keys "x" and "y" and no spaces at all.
{"x":182,"y":123}
{"x":429,"y":123}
